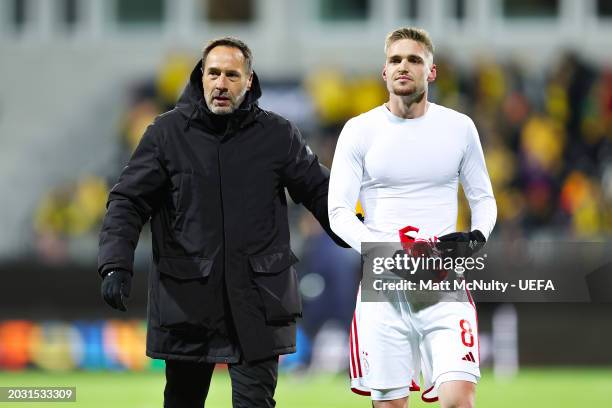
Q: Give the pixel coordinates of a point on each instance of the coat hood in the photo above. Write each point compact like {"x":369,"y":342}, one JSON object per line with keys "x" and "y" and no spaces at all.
{"x":192,"y":105}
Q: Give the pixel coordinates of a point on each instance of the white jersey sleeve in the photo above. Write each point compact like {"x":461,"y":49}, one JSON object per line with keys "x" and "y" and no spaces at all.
{"x":476,"y":184}
{"x":344,"y":187}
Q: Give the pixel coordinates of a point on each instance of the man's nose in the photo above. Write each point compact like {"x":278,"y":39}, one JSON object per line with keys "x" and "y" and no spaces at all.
{"x":221,"y":82}
{"x":404,"y":64}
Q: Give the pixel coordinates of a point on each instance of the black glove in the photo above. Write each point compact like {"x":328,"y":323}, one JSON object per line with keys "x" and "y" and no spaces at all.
{"x":461,"y":244}
{"x":116,"y":287}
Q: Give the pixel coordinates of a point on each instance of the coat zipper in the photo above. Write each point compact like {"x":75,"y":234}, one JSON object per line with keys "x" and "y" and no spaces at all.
{"x":225,"y":133}
{"x":225,"y":265}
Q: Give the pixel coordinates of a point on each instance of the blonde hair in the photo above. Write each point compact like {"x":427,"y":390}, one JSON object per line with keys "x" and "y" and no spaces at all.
{"x":410,"y":33}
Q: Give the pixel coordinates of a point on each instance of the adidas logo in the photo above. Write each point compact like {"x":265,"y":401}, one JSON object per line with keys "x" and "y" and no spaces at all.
{"x":469,"y":357}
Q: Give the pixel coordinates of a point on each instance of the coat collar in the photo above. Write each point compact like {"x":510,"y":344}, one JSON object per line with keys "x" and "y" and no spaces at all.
{"x":192,"y":105}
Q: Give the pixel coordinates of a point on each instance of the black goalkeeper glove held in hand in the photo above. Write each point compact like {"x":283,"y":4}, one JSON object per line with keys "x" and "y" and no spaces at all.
{"x":116,"y":287}
{"x":461,"y":244}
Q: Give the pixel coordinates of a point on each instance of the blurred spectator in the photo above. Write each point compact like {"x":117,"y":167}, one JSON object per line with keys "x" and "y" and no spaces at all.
{"x":329,"y":276}
{"x":68,"y":211}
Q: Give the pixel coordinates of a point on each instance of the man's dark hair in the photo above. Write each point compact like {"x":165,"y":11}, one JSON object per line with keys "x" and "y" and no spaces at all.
{"x":230,"y":42}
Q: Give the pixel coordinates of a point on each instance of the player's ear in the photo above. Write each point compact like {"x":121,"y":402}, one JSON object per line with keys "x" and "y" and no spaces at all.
{"x":384,"y":72}
{"x":432,"y":73}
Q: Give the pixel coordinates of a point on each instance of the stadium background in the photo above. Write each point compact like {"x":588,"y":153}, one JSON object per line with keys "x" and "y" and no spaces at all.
{"x":80,"y":79}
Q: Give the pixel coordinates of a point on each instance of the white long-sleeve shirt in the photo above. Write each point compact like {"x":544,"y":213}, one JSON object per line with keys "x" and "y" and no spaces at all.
{"x":406,"y":172}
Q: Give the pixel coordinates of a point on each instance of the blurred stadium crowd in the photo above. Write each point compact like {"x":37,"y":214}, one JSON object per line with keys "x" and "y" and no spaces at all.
{"x":547,"y":138}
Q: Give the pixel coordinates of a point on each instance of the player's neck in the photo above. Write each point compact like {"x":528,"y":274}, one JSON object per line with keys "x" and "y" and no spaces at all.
{"x":408,"y":107}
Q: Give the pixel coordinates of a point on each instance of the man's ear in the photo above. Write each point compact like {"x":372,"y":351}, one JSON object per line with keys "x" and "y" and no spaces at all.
{"x":433,"y":73}
{"x":384,"y":72}
{"x":250,"y":81}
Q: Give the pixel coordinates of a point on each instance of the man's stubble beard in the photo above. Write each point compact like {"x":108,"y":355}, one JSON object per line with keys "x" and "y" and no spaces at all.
{"x":227,"y":110}
{"x":411,"y":95}
{"x":222,"y":110}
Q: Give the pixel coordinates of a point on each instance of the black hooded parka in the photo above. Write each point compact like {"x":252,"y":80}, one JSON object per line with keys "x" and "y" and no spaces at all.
{"x":222,"y":284}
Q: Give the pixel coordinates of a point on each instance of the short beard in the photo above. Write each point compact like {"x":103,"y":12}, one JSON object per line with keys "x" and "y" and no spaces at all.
{"x":414,"y":95}
{"x":222,"y":110}
{"x":227,"y":110}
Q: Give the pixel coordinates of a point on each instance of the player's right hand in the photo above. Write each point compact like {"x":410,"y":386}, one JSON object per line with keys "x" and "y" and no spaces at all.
{"x":116,"y":287}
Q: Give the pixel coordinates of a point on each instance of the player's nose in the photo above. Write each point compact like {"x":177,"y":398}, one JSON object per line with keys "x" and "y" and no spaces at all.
{"x":404,"y":65}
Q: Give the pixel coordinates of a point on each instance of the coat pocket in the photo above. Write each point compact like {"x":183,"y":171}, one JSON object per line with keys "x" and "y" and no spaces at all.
{"x":181,"y":186}
{"x":277,"y":282}
{"x":181,"y":291}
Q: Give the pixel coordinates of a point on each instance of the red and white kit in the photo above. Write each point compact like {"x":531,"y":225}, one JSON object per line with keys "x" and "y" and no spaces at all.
{"x":406,"y":172}
{"x":393,"y":343}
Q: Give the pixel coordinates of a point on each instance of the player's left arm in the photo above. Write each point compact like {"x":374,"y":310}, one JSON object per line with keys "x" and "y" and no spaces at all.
{"x":476,"y":184}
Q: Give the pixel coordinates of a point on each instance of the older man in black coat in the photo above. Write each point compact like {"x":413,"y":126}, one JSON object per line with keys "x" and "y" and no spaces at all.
{"x":211,"y":176}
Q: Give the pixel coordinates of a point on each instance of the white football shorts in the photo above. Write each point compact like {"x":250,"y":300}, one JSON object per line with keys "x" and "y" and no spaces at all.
{"x":392,"y":344}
